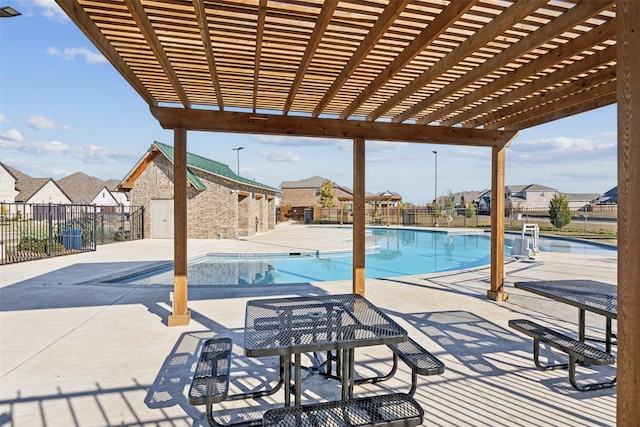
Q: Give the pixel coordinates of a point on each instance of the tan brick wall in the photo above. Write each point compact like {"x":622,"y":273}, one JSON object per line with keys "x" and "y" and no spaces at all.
{"x":306,"y":197}
{"x":213,"y":213}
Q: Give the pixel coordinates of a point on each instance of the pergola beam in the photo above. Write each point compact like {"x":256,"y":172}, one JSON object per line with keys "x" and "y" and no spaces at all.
{"x":272,"y":124}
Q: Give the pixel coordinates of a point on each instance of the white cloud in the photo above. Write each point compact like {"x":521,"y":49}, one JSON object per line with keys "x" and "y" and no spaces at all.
{"x":279,"y":156}
{"x":70,"y":53}
{"x":51,"y":147}
{"x":50,"y":10}
{"x":40,"y":122}
{"x":12,"y":134}
{"x":3,"y":119}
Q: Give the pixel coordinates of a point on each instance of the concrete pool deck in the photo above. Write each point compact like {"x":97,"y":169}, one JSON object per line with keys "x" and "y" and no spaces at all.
{"x":75,"y":351}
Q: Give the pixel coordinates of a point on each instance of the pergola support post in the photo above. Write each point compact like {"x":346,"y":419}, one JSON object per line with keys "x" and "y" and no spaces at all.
{"x":180,"y":315}
{"x":497,"y":293}
{"x":358,"y":216}
{"x":628,"y":97}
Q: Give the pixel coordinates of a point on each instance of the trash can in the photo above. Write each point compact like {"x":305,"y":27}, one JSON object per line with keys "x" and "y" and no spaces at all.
{"x":308,"y":215}
{"x":72,"y":238}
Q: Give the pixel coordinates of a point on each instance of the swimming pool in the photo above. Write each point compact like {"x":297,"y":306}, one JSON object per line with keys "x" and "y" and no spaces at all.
{"x":398,"y":252}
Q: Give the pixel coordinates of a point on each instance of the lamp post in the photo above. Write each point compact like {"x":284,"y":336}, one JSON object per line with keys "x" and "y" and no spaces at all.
{"x":435,"y":197}
{"x":237,"y":149}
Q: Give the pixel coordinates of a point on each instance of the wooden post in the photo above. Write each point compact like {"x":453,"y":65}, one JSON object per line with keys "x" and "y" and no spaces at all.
{"x":181,"y":315}
{"x":628,"y":76}
{"x":358,"y":216}
{"x":497,"y":292}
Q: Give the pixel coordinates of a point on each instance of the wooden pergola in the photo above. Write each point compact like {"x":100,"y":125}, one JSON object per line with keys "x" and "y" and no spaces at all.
{"x":387,"y":198}
{"x":419,"y":71}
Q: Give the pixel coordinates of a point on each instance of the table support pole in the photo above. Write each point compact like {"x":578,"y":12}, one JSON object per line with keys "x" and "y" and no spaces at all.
{"x":286,"y":363}
{"x":296,"y":380}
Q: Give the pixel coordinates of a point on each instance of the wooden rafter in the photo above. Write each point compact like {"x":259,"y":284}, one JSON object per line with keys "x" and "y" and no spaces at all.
{"x":324,"y":17}
{"x":590,"y":99}
{"x":387,"y":18}
{"x":82,"y":19}
{"x":542,"y":82}
{"x":602,"y":81}
{"x":203,"y":25}
{"x":564,"y":22}
{"x":489,"y":32}
{"x":262,"y":13}
{"x":140,"y":16}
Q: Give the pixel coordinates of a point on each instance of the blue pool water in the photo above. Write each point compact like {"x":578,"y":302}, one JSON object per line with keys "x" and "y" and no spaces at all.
{"x":398,"y":253}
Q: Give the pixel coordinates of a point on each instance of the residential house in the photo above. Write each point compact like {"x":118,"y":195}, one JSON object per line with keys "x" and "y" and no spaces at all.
{"x":305,"y":193}
{"x":88,"y":190}
{"x":532,"y":196}
{"x":8,"y":180}
{"x":581,"y":201}
{"x":519,"y":197}
{"x":220,"y":204}
{"x":34,"y":194}
{"x":610,"y":197}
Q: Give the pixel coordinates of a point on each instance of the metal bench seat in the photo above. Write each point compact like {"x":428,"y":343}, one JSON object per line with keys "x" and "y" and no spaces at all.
{"x":577,"y":351}
{"x":420,"y":360}
{"x":397,"y":409}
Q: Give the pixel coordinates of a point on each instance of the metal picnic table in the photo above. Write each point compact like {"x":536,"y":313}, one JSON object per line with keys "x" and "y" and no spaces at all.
{"x":586,"y":295}
{"x":292,"y":326}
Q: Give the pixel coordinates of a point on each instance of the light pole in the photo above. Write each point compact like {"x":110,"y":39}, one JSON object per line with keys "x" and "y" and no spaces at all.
{"x":238,"y":151}
{"x":435,"y":197}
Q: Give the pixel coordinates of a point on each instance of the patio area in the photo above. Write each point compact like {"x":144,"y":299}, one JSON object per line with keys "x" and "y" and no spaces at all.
{"x":76,"y":351}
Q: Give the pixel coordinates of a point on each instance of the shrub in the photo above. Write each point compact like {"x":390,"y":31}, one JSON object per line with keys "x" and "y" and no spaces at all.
{"x":559,"y":212}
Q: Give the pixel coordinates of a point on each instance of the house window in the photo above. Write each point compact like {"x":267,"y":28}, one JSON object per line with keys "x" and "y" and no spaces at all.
{"x":317,"y":191}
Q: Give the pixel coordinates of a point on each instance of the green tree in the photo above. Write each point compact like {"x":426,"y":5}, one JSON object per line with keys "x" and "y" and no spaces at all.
{"x":470,"y":210}
{"x":559,"y":212}
{"x":327,"y":194}
{"x":449,"y":203}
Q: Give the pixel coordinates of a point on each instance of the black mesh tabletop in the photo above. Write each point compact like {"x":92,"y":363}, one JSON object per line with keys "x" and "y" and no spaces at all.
{"x":282,"y":326}
{"x":590,"y":295}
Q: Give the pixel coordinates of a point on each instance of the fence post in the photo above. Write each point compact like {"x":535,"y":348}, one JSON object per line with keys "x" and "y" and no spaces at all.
{"x":50,"y":231}
{"x":95,"y":227}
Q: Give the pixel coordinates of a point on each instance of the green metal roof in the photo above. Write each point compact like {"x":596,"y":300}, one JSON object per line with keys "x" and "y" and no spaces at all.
{"x":210,"y":166}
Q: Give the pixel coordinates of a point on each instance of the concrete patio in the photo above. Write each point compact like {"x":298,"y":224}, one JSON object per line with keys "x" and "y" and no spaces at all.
{"x":75,"y":351}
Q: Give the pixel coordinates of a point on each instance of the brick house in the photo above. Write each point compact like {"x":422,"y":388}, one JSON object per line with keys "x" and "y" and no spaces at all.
{"x":220,"y":204}
{"x":305,"y":193}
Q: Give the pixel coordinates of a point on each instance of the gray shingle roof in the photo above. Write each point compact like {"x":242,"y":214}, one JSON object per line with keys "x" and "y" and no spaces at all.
{"x":313,"y":182}
{"x":81,"y":188}
{"x":26,"y":185}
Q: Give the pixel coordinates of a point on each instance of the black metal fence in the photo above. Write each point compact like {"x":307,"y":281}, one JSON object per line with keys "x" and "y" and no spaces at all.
{"x":34,"y":231}
{"x":590,"y":219}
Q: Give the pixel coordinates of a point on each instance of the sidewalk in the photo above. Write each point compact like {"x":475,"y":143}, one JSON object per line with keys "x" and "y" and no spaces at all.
{"x":78,"y":352}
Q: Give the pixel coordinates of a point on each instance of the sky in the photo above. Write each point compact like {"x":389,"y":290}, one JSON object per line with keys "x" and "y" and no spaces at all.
{"x":65,"y":109}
